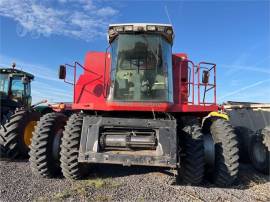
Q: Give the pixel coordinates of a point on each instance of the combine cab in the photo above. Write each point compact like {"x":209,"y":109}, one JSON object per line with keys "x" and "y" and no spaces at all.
{"x":139,"y":105}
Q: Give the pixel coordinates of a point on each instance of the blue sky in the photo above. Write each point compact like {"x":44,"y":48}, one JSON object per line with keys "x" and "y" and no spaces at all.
{"x":40,"y":35}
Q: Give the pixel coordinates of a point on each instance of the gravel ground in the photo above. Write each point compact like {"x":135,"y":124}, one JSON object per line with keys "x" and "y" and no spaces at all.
{"x":117,"y":183}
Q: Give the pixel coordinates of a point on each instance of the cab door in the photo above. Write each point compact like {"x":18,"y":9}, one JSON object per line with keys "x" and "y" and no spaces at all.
{"x":20,"y":91}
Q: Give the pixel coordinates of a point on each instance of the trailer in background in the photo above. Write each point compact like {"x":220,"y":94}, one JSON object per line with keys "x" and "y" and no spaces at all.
{"x":252,"y":126}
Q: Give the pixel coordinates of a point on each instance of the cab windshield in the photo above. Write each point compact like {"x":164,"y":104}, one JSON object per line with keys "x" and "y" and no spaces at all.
{"x":141,"y":68}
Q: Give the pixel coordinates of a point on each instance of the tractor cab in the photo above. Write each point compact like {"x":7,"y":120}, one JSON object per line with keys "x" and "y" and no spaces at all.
{"x":141,"y":62}
{"x":15,"y":88}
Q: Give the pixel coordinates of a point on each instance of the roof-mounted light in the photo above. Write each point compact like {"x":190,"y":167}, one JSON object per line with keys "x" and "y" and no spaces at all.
{"x":169,"y":31}
{"x":151,"y":27}
{"x":119,"y":29}
{"x":128,"y":28}
{"x":162,"y":29}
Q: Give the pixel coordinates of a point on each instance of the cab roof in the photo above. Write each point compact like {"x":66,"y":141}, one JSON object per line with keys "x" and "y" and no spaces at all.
{"x":140,"y":24}
{"x":165,"y":30}
{"x":16,"y":71}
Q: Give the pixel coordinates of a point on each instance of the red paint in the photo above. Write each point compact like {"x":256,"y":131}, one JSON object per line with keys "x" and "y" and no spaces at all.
{"x":90,"y":91}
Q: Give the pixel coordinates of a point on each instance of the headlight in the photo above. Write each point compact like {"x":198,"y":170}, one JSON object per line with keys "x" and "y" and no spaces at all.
{"x":160,"y":28}
{"x":151,"y":28}
{"x":169,"y":31}
{"x":128,"y":28}
{"x":119,"y":29}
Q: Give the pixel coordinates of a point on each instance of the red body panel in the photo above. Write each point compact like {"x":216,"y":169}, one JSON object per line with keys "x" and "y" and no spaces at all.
{"x":90,"y":86}
{"x":89,"y":93}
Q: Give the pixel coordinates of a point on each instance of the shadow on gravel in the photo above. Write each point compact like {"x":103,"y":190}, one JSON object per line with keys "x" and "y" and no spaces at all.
{"x":248,"y":176}
{"x":113,"y":171}
{"x":13,"y":160}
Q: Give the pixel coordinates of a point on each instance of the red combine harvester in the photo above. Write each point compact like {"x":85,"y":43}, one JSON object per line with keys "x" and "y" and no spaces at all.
{"x":139,"y":105}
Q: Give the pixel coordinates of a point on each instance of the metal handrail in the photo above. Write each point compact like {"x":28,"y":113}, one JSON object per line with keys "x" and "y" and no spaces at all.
{"x":196,"y":69}
{"x":75,"y":75}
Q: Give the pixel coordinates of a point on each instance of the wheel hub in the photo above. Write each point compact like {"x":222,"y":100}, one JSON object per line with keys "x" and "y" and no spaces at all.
{"x":28,"y":132}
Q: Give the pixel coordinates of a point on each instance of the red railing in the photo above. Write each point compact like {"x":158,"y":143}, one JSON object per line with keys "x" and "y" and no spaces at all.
{"x":194,"y":82}
{"x":75,"y":76}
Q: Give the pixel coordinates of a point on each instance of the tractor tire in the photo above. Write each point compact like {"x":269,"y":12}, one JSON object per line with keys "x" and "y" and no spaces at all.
{"x":2,"y":148}
{"x":16,"y":134}
{"x":71,"y":168}
{"x":6,"y":117}
{"x":45,"y":147}
{"x":244,"y":136}
{"x":226,"y":153}
{"x":260,"y":150}
{"x":192,"y":158}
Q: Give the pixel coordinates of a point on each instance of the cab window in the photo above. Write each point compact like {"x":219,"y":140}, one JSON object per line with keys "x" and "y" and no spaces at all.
{"x":4,"y":80}
{"x":17,"y":87}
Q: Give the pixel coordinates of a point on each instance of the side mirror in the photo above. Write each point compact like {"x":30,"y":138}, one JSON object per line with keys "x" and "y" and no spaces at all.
{"x":205,"y":76}
{"x":25,"y":80}
{"x":62,"y":72}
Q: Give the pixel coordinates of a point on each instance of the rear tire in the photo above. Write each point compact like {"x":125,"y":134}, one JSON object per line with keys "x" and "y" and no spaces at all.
{"x":192,"y":168}
{"x":226,"y":153}
{"x":45,"y":146}
{"x":244,"y":136}
{"x":260,"y":150}
{"x":71,"y":168}
{"x":2,"y":148}
{"x":14,"y":138}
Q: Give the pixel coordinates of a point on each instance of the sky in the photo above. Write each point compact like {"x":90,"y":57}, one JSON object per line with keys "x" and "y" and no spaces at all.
{"x":41,"y":35}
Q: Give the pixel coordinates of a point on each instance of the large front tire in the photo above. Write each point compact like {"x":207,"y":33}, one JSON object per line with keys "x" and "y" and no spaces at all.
{"x":192,"y":162}
{"x":71,"y":168}
{"x":226,"y":153}
{"x":16,"y":134}
{"x":45,"y":147}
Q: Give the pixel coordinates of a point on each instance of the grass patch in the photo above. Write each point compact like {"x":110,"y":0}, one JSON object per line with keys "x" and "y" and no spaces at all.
{"x":97,"y":183}
{"x":62,"y":195}
{"x":103,"y":198}
{"x":140,"y":199}
{"x":59,"y":196}
{"x":41,"y":199}
{"x":82,"y":189}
